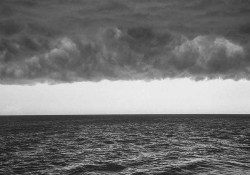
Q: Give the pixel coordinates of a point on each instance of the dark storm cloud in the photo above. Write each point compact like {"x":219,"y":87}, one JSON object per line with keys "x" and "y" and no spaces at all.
{"x":128,"y":54}
{"x":33,"y":50}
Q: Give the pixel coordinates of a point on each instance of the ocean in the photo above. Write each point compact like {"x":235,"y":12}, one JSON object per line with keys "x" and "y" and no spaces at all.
{"x":68,"y":41}
{"x":125,"y":145}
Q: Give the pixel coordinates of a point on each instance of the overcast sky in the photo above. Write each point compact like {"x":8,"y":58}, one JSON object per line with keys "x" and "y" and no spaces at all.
{"x":164,"y":97}
{"x":106,"y":57}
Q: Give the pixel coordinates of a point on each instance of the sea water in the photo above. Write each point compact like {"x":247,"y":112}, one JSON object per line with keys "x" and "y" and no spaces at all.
{"x":125,"y":144}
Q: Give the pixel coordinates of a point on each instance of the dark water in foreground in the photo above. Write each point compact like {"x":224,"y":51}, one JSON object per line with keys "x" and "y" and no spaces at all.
{"x":138,"y":145}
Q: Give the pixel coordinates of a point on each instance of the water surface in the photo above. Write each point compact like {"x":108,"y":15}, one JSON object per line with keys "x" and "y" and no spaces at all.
{"x":134,"y":144}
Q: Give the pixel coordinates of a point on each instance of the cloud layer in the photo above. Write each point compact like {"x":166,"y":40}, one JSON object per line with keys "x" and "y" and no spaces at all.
{"x":35,"y":51}
{"x":114,"y":54}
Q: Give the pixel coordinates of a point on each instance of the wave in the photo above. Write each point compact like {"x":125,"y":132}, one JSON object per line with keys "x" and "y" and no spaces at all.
{"x":110,"y":167}
{"x":50,"y":145}
{"x":139,"y":173}
{"x":186,"y":168}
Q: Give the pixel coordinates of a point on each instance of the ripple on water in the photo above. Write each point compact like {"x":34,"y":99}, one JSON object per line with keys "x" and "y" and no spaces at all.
{"x":109,"y":167}
{"x":110,"y":148}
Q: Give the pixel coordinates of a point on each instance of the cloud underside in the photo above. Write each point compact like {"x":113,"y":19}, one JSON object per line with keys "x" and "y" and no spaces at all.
{"x":111,"y":53}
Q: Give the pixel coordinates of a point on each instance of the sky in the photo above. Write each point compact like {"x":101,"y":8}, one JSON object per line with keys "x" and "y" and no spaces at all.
{"x":120,"y":57}
{"x":178,"y":96}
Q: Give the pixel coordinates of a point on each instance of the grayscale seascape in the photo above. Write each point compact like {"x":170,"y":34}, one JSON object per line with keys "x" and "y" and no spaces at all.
{"x":133,"y":144}
{"x":76,"y":44}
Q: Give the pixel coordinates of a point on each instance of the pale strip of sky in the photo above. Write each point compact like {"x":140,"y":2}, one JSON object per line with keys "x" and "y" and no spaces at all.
{"x":126,"y":97}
